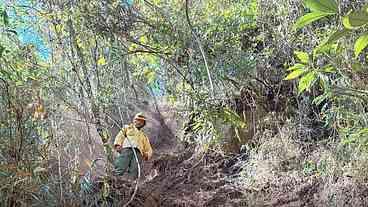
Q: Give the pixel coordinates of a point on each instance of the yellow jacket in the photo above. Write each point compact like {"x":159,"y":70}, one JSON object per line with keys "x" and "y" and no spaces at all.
{"x":136,"y":138}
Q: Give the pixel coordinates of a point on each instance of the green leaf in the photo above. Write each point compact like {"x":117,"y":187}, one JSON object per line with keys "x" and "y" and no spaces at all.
{"x":306,"y":81}
{"x":356,"y":67}
{"x":309,"y":18}
{"x":2,"y":49}
{"x":231,"y":117}
{"x":296,"y":66}
{"x":360,"y":44}
{"x":324,"y":48}
{"x":337,"y":35}
{"x":302,"y":56}
{"x":319,"y":99}
{"x":346,"y":23}
{"x":101,"y":61}
{"x":325,"y":6}
{"x":143,"y":39}
{"x":5,"y":17}
{"x":4,"y":174}
{"x":355,"y":19}
{"x":295,"y":74}
{"x":328,"y":69}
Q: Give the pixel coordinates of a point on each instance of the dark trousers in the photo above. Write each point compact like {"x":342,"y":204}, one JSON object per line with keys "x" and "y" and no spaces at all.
{"x":127,"y":162}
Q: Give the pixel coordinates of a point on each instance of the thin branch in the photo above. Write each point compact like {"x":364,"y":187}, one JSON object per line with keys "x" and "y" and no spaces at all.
{"x":159,"y":11}
{"x":144,"y":51}
{"x":200,"y":47}
{"x":163,"y":57}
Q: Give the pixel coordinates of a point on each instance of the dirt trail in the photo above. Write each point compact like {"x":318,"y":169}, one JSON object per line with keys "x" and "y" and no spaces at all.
{"x":184,"y":179}
{"x":178,"y":175}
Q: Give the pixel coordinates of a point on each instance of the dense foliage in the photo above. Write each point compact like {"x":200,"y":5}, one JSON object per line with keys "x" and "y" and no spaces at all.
{"x":236,"y":71}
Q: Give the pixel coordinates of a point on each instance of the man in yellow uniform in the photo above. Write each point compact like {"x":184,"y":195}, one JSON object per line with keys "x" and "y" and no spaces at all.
{"x":132,"y":145}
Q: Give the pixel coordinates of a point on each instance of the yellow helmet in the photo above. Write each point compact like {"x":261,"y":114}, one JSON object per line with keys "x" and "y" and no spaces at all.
{"x":139,"y":116}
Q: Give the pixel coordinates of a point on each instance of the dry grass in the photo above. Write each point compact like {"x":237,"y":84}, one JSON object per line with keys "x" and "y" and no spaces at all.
{"x":283,"y":171}
{"x":275,"y":155}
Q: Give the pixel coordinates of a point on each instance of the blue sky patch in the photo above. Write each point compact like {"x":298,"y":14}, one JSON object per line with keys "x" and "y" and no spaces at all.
{"x":27,"y":28}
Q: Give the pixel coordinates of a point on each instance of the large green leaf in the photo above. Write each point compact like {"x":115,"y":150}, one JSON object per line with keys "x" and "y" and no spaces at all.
{"x":360,"y":44}
{"x":309,"y":18}
{"x":306,"y":81}
{"x":337,"y":35}
{"x":325,"y":6}
{"x":295,"y":74}
{"x":296,"y":66}
{"x":302,"y":56}
{"x":325,"y":48}
{"x":356,"y":19}
{"x":329,"y":43}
